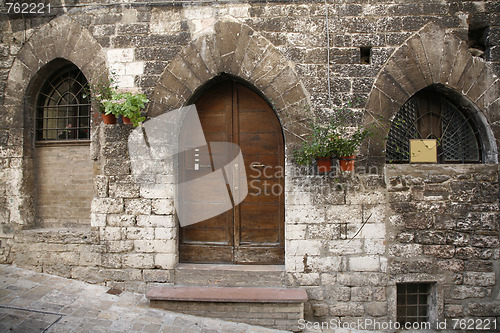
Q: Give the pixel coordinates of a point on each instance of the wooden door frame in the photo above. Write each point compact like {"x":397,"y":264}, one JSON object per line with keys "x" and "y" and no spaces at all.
{"x":234,"y":134}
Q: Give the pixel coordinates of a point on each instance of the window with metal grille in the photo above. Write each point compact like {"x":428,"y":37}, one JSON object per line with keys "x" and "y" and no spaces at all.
{"x":413,"y":302}
{"x":63,"y":107}
{"x":430,"y":115}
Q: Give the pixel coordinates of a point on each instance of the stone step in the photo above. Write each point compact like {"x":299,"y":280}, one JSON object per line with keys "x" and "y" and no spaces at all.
{"x":280,"y":308}
{"x":221,"y":275}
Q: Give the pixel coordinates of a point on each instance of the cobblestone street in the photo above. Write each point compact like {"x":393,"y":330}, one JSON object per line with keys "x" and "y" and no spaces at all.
{"x":35,"y":302}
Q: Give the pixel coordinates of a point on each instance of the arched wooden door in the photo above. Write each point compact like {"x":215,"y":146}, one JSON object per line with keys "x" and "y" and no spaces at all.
{"x":251,"y":232}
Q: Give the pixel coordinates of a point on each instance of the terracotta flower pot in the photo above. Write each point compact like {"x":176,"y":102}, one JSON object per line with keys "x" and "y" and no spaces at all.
{"x":108,"y":118}
{"x":346,"y":163}
{"x":324,"y":164}
{"x":126,"y":120}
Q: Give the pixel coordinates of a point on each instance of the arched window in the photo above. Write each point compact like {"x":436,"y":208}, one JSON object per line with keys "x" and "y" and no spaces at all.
{"x":63,"y":107}
{"x":432,"y":115}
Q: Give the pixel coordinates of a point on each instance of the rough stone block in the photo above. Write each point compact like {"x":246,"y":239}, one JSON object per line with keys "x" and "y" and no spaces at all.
{"x":107,"y":205}
{"x":165,"y":233}
{"x":98,"y":220}
{"x":119,"y":246}
{"x":162,"y":206}
{"x":111,"y":233}
{"x":439,"y":251}
{"x":361,"y":294}
{"x":405,"y":250}
{"x":323,"y":264}
{"x":101,"y":186}
{"x":479,"y":279}
{"x":453,"y":310}
{"x":347,"y":310}
{"x":138,"y":206}
{"x":118,"y":220}
{"x":303,"y":247}
{"x":165,"y":260}
{"x":164,"y":221}
{"x":320,"y":310}
{"x":490,"y":309}
{"x":376,"y":309}
{"x":156,"y":246}
{"x":364,"y":264}
{"x":120,"y":55}
{"x":485,"y":241}
{"x":138,"y":260}
{"x":374,"y":246}
{"x":140,"y":233}
{"x":463,"y":292}
{"x":158,"y":275}
{"x":124,"y":190}
{"x":296,"y":231}
{"x":360,"y":279}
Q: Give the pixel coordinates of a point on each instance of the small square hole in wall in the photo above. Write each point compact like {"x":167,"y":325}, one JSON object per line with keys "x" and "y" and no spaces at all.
{"x":365,"y":54}
{"x":477,"y":40}
{"x":414,"y":302}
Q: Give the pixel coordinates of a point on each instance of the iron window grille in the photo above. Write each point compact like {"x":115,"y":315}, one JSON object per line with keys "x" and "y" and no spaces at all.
{"x":413,"y":302}
{"x":63,"y":107}
{"x":429,"y":115}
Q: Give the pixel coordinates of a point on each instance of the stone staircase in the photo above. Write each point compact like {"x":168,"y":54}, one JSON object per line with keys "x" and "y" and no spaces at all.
{"x":252,"y":294}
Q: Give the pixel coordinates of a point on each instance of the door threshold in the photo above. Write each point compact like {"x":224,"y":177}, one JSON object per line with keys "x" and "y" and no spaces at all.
{"x":230,"y":267}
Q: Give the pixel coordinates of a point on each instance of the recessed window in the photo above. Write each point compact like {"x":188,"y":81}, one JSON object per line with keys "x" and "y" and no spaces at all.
{"x":477,"y":40}
{"x":63,"y":107}
{"x":429,"y":115}
{"x":365,"y":54}
{"x":413,"y":302}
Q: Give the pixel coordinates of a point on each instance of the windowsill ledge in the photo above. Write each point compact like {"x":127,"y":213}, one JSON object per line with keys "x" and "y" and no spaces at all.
{"x":425,"y":169}
{"x":62,"y":143}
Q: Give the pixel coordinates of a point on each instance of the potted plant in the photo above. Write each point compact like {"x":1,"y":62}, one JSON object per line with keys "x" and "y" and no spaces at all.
{"x":127,"y":104}
{"x":113,"y":102}
{"x":331,"y":139}
{"x":101,"y":89}
{"x":345,"y":148}
{"x":318,"y":147}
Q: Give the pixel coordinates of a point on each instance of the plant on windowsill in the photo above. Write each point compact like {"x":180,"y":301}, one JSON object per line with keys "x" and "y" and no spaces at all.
{"x":317,"y":147}
{"x":127,"y":104}
{"x":330,"y":139}
{"x":345,"y":147}
{"x":113,"y":102}
{"x":101,"y":89}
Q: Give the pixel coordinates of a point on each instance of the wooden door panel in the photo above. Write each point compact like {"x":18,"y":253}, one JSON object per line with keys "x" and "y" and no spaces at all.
{"x":207,"y":254}
{"x":256,"y":122}
{"x":263,"y":191}
{"x":253,"y":231}
{"x":262,"y":143}
{"x":263,"y":166}
{"x":259,"y":216}
{"x":264,"y":255}
{"x":208,"y":235}
{"x":263,"y":236}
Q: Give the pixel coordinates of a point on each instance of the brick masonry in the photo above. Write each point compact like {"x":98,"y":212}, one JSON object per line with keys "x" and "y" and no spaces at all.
{"x":280,"y":316}
{"x":64,"y":188}
{"x":434,"y":223}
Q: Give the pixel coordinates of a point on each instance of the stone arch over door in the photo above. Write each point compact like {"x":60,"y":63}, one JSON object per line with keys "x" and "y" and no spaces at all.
{"x":435,"y":57}
{"x":236,"y":49}
{"x":62,"y":39}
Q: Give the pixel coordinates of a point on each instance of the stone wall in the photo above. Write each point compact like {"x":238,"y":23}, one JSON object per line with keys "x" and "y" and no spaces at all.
{"x":349,"y":238}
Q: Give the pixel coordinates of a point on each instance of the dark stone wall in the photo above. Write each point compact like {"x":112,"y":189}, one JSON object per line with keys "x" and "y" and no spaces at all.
{"x":435,"y":223}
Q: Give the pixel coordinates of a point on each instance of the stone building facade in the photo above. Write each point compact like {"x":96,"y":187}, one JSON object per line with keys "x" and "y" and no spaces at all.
{"x":354,"y":242}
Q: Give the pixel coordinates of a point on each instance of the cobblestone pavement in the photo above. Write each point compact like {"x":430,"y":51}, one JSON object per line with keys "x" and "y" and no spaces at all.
{"x":36,"y":302}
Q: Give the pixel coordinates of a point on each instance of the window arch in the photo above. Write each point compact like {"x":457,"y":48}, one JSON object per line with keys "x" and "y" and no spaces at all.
{"x":430,"y":114}
{"x":63,"y":106}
